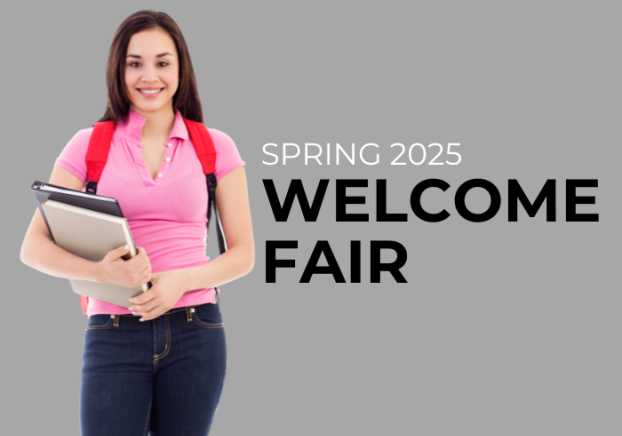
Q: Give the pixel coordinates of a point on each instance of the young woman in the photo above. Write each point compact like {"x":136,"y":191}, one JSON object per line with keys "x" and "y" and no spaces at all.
{"x":159,"y":366}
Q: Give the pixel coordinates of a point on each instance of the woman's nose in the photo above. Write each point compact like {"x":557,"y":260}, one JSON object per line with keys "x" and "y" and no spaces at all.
{"x":150,"y":75}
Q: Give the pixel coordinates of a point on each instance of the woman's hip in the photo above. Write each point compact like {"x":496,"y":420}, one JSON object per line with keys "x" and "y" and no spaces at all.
{"x":194,"y":332}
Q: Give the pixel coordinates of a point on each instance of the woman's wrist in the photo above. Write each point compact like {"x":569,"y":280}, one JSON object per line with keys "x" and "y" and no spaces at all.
{"x":181,"y":278}
{"x":97,"y":272}
{"x":177,"y":279}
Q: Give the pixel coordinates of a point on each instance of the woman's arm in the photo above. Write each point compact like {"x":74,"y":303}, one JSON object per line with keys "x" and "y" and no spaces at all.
{"x":41,"y":253}
{"x":235,"y":216}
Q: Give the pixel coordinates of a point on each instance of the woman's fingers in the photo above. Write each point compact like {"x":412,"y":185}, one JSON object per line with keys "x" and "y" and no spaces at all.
{"x":152,"y":314}
{"x":141,"y":309}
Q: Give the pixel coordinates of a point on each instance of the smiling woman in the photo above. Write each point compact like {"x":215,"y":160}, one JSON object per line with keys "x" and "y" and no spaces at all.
{"x":161,"y":364}
{"x":151,"y":78}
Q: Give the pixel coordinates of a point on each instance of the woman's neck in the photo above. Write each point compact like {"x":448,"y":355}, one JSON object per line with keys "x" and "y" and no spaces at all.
{"x":159,"y":124}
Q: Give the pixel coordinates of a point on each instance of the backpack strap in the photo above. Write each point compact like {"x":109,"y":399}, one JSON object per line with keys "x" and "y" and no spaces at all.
{"x":206,"y":152}
{"x":97,"y":153}
{"x":97,"y":156}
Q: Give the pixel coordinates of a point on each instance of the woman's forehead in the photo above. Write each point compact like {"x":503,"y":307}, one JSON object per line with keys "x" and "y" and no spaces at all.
{"x":152,"y":42}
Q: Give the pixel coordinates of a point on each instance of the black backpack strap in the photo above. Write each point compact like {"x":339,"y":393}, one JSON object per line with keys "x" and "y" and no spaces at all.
{"x":91,"y":187}
{"x":211,"y":191}
{"x":211,"y":195}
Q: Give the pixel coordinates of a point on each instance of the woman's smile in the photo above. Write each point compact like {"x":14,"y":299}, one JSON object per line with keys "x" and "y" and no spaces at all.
{"x":150,"y":92}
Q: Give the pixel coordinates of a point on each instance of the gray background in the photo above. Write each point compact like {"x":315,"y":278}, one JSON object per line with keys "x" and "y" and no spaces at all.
{"x":503,"y":329}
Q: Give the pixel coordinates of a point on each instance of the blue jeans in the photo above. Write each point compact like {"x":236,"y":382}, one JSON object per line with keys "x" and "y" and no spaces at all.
{"x":163,"y":376}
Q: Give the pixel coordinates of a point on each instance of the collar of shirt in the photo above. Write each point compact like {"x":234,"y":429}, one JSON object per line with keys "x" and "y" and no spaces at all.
{"x":131,"y":126}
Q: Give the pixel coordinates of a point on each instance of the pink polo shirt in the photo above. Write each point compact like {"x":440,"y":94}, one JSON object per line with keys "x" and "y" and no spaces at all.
{"x":167,"y":216}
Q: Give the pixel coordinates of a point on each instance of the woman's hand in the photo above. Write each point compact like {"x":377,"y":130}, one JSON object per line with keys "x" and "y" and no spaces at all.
{"x":129,"y":273}
{"x":166,"y":291}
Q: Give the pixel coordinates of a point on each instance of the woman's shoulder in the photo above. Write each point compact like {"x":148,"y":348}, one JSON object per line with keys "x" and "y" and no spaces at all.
{"x":73,"y":155}
{"x":85,"y":132}
{"x":80,"y":140}
{"x":228,"y":155}
{"x":82,"y":136}
{"x":222,"y":141}
{"x":218,"y":135}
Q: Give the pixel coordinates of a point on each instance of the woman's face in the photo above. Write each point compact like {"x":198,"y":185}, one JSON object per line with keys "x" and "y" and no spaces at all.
{"x":151,"y":71}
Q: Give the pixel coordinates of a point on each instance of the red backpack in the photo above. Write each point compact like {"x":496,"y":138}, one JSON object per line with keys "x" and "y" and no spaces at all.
{"x":97,"y":155}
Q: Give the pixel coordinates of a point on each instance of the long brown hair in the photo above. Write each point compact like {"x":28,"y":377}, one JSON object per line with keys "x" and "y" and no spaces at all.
{"x":186,"y":99}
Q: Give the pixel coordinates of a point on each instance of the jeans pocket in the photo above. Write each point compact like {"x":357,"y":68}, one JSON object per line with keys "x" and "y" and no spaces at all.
{"x":99,"y":322}
{"x":208,"y":316}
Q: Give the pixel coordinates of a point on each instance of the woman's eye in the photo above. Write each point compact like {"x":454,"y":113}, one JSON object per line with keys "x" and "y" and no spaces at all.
{"x":136,"y":64}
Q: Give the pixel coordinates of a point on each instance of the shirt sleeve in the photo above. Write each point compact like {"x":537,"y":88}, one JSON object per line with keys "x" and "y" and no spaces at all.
{"x":227,"y":157}
{"x":73,"y":156}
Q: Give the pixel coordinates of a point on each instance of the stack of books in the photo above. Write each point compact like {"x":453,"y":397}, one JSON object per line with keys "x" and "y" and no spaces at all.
{"x":88,"y":226}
